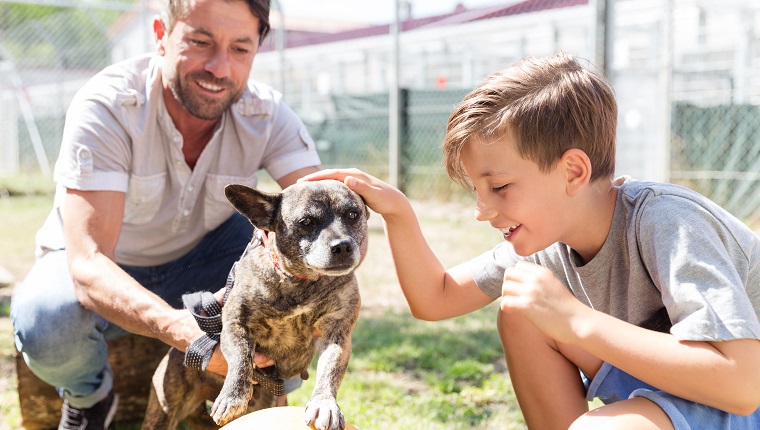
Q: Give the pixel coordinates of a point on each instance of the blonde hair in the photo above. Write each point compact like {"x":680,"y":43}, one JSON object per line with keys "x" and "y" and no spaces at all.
{"x":549,"y":105}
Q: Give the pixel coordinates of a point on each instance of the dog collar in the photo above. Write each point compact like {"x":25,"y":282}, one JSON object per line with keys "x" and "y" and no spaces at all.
{"x":264,"y":239}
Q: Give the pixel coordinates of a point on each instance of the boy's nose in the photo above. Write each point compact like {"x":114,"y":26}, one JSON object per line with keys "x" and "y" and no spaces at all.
{"x":483,"y":212}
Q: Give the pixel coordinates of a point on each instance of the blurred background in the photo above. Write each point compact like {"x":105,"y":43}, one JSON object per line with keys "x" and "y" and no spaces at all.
{"x":375,"y":80}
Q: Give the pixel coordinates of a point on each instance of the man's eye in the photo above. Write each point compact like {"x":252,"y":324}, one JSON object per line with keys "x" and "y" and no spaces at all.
{"x":197,"y":42}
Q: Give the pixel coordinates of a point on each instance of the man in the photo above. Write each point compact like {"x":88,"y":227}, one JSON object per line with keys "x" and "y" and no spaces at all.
{"x":140,"y":216}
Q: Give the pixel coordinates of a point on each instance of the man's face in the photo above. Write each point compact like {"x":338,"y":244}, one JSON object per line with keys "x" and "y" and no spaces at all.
{"x":208,"y":56}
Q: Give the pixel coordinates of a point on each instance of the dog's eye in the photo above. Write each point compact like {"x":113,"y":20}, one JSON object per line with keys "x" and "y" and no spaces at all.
{"x":353,"y":215}
{"x":305,"y":221}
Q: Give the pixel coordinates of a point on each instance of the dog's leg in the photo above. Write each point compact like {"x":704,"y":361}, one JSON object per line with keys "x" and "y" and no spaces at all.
{"x":322,"y":409}
{"x":237,"y":347}
{"x":174,"y":393}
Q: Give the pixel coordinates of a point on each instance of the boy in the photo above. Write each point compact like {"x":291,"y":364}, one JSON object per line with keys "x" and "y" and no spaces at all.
{"x":637,"y":285}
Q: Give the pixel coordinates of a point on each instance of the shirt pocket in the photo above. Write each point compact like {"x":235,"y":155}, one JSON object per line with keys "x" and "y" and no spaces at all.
{"x":143,"y":198}
{"x":216,"y":207}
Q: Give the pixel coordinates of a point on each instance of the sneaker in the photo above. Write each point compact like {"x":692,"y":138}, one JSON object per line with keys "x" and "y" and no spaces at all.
{"x":98,"y":417}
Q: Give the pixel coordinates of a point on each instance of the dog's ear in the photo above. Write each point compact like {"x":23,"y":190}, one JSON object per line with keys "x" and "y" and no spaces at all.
{"x":259,"y":207}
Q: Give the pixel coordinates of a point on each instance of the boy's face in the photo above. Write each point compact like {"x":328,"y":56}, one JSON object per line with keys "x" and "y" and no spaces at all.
{"x":208,"y":56}
{"x":526,"y":205}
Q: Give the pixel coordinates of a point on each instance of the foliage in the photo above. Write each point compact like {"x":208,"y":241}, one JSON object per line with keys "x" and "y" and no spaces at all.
{"x":50,"y":36}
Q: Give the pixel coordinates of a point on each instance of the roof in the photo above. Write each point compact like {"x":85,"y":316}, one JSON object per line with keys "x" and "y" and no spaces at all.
{"x":460,"y":15}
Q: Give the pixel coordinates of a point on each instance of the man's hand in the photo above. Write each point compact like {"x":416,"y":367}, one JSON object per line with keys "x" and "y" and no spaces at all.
{"x":218,"y":364}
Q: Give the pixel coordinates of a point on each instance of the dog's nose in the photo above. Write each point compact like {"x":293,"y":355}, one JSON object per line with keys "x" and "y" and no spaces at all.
{"x":340,"y":247}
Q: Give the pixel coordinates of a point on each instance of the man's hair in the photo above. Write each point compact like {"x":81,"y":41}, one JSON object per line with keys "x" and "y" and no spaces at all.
{"x":548,"y":105}
{"x":174,"y":10}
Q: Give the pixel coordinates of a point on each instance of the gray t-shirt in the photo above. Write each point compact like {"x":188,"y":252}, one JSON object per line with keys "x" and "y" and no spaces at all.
{"x":120,"y":137}
{"x":668,"y":249}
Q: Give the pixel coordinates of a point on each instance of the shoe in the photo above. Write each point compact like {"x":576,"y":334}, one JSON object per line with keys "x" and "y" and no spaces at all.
{"x":98,"y":417}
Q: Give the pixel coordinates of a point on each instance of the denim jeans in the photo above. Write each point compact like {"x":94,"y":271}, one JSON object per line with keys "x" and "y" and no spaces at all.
{"x":64,"y":344}
{"x":612,"y":384}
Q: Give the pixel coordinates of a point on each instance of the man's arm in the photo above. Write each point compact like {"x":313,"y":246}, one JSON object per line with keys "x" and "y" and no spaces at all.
{"x":92,"y":223}
{"x":293,"y":176}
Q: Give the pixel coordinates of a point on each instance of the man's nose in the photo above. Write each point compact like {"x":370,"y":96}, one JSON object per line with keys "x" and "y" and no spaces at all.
{"x":219,"y":63}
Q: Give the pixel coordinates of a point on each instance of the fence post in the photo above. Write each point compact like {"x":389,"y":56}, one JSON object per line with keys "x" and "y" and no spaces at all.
{"x":393,"y":99}
{"x":404,"y":139}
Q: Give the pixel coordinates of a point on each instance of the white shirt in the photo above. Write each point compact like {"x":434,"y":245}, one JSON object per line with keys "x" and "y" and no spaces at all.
{"x":119,"y":137}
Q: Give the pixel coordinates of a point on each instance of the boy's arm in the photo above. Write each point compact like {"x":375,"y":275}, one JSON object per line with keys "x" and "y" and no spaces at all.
{"x":433,"y":293}
{"x":724,"y":375}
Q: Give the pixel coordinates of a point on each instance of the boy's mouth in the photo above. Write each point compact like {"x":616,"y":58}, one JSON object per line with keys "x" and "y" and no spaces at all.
{"x":507,"y":231}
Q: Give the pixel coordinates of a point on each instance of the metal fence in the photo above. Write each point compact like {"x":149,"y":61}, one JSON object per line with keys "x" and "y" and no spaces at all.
{"x":685,"y":73}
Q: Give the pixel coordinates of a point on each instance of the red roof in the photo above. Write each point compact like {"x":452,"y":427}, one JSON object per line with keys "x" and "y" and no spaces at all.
{"x":459,"y":16}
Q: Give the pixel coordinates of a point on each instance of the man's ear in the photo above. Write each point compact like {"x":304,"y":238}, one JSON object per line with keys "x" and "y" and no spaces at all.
{"x":159,"y":33}
{"x":577,"y":169}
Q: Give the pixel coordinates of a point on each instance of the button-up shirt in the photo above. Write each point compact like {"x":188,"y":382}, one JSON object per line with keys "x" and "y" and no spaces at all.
{"x":119,"y":137}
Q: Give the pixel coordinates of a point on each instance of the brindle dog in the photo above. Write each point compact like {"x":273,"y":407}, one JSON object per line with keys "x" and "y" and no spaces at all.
{"x":292,"y":295}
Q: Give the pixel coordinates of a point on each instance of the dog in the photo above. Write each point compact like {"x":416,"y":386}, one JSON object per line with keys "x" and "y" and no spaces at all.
{"x":294,"y":292}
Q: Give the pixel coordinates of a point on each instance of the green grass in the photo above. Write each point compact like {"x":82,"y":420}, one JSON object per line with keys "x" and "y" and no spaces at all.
{"x":25,"y":185}
{"x":404,"y":373}
{"x":411,"y":374}
{"x":20,"y":217}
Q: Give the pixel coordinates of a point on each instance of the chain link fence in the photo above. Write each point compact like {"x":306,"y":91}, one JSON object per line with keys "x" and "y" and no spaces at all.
{"x":685,"y":73}
{"x":47,"y":51}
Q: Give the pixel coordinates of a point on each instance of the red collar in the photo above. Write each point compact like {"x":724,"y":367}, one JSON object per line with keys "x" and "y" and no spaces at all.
{"x":263,"y":237}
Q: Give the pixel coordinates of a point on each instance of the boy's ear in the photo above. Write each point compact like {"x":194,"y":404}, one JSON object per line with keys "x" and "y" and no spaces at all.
{"x":577,"y":169}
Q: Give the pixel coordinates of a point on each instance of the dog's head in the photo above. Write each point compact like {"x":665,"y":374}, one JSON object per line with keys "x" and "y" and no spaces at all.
{"x":319,"y":226}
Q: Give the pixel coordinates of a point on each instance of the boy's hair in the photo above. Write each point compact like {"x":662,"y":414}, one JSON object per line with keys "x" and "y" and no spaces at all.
{"x":174,"y":10}
{"x":549,"y":105}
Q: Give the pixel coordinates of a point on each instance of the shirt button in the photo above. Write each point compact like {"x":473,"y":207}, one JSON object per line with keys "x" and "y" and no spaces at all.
{"x":177,"y":138}
{"x":189,"y":188}
{"x":186,"y":212}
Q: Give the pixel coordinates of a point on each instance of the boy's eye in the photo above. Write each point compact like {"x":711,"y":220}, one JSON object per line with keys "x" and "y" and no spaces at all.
{"x":500,"y":188}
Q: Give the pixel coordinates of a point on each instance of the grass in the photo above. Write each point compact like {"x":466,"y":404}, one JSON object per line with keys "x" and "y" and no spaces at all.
{"x":411,"y":374}
{"x":404,"y":373}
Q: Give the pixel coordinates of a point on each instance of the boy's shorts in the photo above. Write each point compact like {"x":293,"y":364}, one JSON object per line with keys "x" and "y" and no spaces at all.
{"x":612,"y":384}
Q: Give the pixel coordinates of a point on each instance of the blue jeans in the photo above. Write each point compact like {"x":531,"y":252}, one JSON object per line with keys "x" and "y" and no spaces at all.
{"x":64,"y":344}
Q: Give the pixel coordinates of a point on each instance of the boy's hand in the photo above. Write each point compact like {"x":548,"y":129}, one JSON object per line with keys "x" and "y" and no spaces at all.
{"x":535,"y":292}
{"x":379,"y":196}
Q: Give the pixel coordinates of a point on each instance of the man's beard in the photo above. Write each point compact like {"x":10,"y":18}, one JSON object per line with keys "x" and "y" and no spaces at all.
{"x":197,"y":104}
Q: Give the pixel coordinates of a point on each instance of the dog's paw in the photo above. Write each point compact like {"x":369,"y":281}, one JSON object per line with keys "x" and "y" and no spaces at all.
{"x":227,"y":409}
{"x":324,"y":414}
